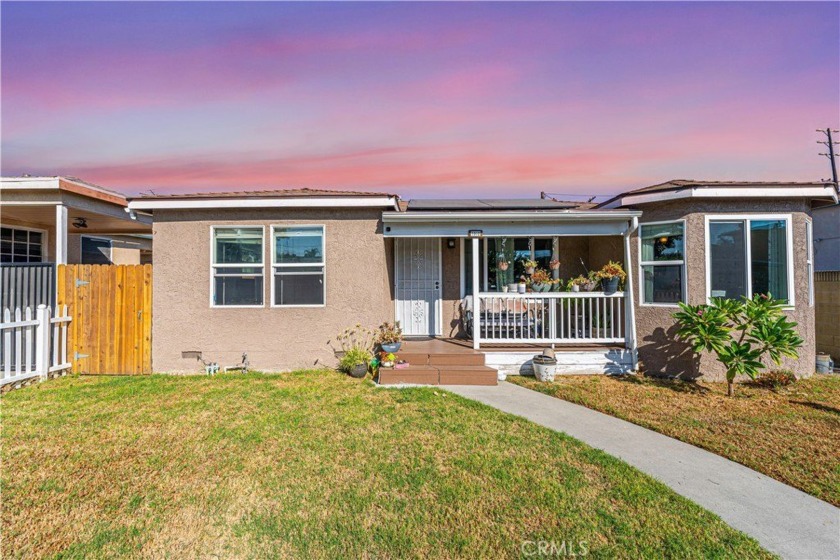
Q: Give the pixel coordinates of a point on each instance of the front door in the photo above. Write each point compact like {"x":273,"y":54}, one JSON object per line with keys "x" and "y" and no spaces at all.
{"x":417,"y":278}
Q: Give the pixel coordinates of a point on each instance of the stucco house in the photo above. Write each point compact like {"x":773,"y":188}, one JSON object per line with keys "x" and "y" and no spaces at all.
{"x":277,"y":274}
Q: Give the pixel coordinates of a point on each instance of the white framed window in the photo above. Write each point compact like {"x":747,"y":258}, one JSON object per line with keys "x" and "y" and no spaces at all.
{"x":95,"y":250}
{"x":662,"y":263}
{"x":298,"y":265}
{"x":748,"y":255}
{"x":237,"y":266}
{"x":809,"y":239}
{"x":22,"y":245}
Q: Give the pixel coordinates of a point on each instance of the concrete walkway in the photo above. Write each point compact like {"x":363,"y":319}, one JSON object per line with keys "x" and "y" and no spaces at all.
{"x":781,"y":518}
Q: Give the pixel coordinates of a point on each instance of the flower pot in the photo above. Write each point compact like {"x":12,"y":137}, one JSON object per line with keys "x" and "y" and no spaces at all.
{"x":575,"y":287}
{"x":501,"y":376}
{"x":521,"y":288}
{"x":610,"y":285}
{"x":513,"y":288}
{"x":359,"y":370}
{"x":544,"y":368}
{"x":505,"y":288}
{"x":529,"y":270}
{"x":391,"y":347}
{"x":589,"y":287}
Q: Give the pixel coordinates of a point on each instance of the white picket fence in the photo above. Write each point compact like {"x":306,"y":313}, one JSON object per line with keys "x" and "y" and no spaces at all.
{"x":33,"y":346}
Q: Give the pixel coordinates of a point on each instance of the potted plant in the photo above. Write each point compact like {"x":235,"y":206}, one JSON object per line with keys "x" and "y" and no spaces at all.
{"x":356,"y":345}
{"x":388,"y":359}
{"x":354,"y":362}
{"x":610,"y":275}
{"x":554,"y":264}
{"x":389,"y":337}
{"x":545,"y":365}
{"x":503,"y":265}
{"x":540,"y":280}
{"x":576,"y":284}
{"x":521,"y":287}
{"x":530,"y":266}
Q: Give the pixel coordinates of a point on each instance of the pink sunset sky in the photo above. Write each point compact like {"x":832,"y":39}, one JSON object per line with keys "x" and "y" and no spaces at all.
{"x":424,"y":99}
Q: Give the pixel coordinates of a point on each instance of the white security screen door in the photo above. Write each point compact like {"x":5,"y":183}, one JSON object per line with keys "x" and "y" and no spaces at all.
{"x":417,"y":278}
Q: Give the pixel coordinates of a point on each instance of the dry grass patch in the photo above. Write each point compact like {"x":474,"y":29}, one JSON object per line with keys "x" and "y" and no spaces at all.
{"x":315,"y":465}
{"x":790,"y":433}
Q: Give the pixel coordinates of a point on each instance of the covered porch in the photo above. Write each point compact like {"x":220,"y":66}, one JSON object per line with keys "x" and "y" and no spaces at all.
{"x":457,"y":274}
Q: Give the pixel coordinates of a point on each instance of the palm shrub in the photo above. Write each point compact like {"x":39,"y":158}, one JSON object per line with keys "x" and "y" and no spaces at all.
{"x":740,"y":332}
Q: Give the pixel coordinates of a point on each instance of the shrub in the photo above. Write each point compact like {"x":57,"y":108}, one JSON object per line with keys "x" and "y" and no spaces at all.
{"x":775,"y":379}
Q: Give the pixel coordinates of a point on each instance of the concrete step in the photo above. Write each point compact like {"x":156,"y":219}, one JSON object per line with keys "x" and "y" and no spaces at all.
{"x":467,"y":375}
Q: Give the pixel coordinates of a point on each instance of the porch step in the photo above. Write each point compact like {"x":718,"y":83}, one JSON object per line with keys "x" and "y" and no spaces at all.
{"x":439,"y":375}
{"x":467,"y":375}
{"x":422,"y":375}
{"x":459,"y":359}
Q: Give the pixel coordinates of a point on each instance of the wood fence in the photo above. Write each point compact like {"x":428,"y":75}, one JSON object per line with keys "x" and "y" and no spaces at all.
{"x":112,"y":310}
{"x":827,"y":312}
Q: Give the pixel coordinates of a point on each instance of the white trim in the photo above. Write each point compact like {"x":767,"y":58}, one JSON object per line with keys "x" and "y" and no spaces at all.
{"x":643,"y":263}
{"x":254,"y":202}
{"x":45,"y":241}
{"x":17,"y":183}
{"x":273,"y":264}
{"x":765,"y":191}
{"x":461,"y":275}
{"x":60,"y":234}
{"x":512,"y":216}
{"x":233,"y":265}
{"x":746,"y":219}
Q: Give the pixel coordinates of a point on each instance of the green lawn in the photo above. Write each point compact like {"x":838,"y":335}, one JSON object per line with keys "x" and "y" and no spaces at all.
{"x":790,"y":433}
{"x":316,"y":465}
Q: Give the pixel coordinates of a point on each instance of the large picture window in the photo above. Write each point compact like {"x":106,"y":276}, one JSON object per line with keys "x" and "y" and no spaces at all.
{"x":21,"y":245}
{"x":663,"y":262}
{"x":298,"y":266}
{"x":238,"y":266}
{"x":749,"y":256}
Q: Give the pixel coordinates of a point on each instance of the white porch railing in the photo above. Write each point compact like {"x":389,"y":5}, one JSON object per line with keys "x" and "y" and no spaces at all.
{"x":32,"y":346}
{"x":551,"y":317}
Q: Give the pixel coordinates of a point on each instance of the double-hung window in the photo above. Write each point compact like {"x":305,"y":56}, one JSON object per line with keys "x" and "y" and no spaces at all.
{"x":21,"y":245}
{"x":238,"y":266}
{"x":662,"y":262}
{"x":298,"y":266}
{"x":749,"y":256}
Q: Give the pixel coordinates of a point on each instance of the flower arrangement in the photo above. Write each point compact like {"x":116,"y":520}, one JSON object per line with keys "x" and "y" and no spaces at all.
{"x":530,"y":264}
{"x":388,"y":333}
{"x":554,"y":264}
{"x":611,"y":270}
{"x":540,"y":276}
{"x":503,"y":265}
{"x":579,"y":281}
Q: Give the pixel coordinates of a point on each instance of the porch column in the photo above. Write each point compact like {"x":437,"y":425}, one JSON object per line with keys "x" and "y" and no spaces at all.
{"x":60,"y":234}
{"x":629,"y":307}
{"x":476,"y":327}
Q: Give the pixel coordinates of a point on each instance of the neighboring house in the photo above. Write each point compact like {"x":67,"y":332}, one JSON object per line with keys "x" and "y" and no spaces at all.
{"x":277,"y":274}
{"x":46,"y":221}
{"x":827,"y":238}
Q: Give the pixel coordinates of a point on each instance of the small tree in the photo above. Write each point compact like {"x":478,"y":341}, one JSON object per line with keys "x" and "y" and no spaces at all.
{"x":740,"y":332}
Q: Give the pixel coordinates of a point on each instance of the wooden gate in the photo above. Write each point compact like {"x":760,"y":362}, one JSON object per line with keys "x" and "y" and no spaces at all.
{"x":111,"y":306}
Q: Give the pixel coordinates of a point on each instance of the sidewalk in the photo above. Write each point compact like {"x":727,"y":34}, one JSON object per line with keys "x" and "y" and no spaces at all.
{"x":784,"y":520}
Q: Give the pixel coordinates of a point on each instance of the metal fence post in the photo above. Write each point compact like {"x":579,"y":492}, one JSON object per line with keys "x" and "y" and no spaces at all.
{"x":42,"y":341}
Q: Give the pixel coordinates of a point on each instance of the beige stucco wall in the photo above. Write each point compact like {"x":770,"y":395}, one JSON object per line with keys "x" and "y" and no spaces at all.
{"x":659,"y":351}
{"x":358,"y":290}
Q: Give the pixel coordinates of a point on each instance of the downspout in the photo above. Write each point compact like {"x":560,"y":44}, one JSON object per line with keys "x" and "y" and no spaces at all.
{"x":630,"y":311}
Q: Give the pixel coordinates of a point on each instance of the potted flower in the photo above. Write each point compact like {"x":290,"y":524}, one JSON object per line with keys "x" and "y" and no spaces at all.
{"x":354,"y":362}
{"x":388,"y":359}
{"x":356,"y":345}
{"x":529,"y":265}
{"x":503,"y":265}
{"x":389,"y":337}
{"x":610,"y":275}
{"x":576,"y":284}
{"x":540,"y":280}
{"x":554,"y":264}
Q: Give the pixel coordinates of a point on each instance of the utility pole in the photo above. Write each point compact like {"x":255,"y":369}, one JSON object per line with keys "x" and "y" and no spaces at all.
{"x":829,"y":141}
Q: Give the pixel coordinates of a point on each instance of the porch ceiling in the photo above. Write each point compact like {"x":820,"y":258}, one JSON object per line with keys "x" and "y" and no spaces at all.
{"x":44,"y":216}
{"x":514,"y":223}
